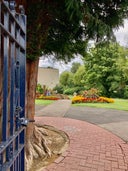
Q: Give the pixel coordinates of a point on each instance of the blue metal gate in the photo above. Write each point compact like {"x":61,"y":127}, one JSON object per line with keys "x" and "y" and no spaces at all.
{"x":12,"y":86}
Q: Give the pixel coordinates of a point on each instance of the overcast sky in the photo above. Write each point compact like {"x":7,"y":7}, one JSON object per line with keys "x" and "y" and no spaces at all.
{"x":122,"y":34}
{"x":122,"y":38}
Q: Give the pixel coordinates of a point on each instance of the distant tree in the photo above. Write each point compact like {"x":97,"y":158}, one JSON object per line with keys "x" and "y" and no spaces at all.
{"x":58,"y":89}
{"x":66,"y":79}
{"x":78,"y":78}
{"x":122,"y":61}
{"x":103,"y":72}
{"x":122,"y":64}
{"x":75,"y":66}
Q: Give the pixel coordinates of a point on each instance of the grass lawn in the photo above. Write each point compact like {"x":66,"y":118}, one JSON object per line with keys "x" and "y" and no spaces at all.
{"x":119,"y":104}
{"x":43,"y":102}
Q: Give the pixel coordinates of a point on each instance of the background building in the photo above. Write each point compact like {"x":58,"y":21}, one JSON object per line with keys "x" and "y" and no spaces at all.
{"x":48,"y":77}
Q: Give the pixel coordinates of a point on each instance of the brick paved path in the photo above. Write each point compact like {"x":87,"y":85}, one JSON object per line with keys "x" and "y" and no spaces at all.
{"x":91,"y":147}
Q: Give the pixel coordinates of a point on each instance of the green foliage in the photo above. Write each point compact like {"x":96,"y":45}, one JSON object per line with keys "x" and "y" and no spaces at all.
{"x":103,"y":71}
{"x":75,"y":66}
{"x":39,"y":88}
{"x":58,"y":88}
{"x":64,"y":27}
{"x":105,"y":68}
{"x":71,"y":91}
{"x":78,"y":78}
{"x":102,"y":15}
{"x":72,"y":82}
{"x":52,"y":29}
{"x":66,"y":79}
{"x":126,"y":92}
{"x":123,"y":62}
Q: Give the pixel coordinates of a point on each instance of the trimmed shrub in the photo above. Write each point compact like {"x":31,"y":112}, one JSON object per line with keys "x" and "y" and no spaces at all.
{"x":70,"y":91}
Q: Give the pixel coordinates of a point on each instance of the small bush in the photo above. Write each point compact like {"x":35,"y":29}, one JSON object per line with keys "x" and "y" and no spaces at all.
{"x":39,"y":89}
{"x":125,"y":92}
{"x":58,"y":88}
{"x":70,"y":91}
{"x":92,"y":93}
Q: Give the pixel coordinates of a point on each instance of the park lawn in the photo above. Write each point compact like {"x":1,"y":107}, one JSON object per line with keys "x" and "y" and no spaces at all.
{"x":119,"y":104}
{"x":43,"y":102}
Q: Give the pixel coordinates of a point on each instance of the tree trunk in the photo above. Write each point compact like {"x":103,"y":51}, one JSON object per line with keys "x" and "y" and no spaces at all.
{"x":36,"y":145}
{"x":31,"y":78}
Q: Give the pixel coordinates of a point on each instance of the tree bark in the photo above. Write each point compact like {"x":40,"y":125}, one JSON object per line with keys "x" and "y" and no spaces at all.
{"x":36,"y":145}
{"x":31,"y":82}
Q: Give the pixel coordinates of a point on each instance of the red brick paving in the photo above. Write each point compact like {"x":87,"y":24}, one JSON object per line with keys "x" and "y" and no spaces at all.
{"x":91,"y":147}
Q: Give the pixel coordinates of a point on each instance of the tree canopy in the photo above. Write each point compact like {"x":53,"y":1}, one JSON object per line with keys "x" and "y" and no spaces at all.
{"x":78,"y":78}
{"x":64,"y":27}
{"x":75,"y":66}
{"x":66,"y":79}
{"x":104,"y":70}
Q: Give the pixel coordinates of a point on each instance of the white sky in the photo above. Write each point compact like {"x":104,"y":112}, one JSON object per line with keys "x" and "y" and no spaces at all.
{"x":121,"y":35}
{"x":47,"y":62}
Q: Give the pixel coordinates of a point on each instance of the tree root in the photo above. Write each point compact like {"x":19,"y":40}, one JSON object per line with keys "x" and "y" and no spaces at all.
{"x":37,"y":147}
{"x":47,"y":143}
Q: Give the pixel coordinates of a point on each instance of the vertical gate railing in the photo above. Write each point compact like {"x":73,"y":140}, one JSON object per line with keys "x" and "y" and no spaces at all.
{"x":12,"y":87}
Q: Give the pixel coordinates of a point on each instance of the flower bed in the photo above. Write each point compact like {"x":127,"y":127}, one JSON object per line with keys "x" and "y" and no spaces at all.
{"x":91,"y":96}
{"x":48,"y":97}
{"x":51,"y":97}
{"x":81,"y":99}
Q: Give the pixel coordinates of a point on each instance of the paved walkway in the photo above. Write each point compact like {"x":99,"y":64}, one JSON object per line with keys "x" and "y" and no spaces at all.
{"x":91,"y":148}
{"x":116,"y":121}
{"x":58,"y":108}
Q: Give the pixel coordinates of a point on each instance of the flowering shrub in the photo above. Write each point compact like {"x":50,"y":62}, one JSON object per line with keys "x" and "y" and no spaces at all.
{"x":93,"y":92}
{"x":81,"y":99}
{"x":91,"y":96}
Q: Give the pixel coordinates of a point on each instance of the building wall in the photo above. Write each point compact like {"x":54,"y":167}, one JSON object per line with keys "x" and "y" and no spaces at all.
{"x":48,"y":77}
